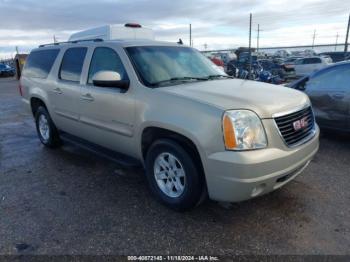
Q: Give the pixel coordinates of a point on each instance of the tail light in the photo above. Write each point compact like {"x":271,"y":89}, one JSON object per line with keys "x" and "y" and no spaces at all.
{"x":289,"y":66}
{"x":20,"y":88}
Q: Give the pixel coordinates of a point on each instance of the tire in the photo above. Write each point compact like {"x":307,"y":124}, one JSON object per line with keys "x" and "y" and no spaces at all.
{"x":186,"y":182}
{"x":46,"y":129}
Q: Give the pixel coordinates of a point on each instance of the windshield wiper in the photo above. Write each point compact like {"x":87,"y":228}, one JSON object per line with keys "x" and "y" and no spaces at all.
{"x":176,"y":79}
{"x":217,"y":76}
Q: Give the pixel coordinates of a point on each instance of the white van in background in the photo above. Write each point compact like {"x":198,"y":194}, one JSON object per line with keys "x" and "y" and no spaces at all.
{"x":111,"y":32}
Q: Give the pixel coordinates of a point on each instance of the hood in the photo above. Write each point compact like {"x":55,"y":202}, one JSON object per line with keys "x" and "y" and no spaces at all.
{"x":264,"y":99}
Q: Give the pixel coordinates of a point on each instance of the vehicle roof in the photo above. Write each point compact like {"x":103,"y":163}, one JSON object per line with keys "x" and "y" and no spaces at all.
{"x":97,"y":42}
{"x":334,"y":52}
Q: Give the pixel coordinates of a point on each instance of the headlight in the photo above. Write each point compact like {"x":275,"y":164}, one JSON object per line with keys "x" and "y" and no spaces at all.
{"x":243,"y":130}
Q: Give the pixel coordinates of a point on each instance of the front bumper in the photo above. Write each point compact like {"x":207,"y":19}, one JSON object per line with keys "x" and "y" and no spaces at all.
{"x":237,"y":176}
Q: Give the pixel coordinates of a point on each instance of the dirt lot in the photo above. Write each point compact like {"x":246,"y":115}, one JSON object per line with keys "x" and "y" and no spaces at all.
{"x":69,"y":201}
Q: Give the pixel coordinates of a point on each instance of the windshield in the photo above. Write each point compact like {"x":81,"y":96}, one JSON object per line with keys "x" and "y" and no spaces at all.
{"x":169,"y":65}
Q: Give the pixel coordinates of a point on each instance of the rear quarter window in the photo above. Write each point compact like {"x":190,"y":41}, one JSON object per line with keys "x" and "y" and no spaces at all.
{"x":39,"y":63}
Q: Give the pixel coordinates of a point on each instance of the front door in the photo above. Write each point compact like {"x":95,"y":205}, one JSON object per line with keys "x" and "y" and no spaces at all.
{"x":329,"y":94}
{"x":107,"y":113}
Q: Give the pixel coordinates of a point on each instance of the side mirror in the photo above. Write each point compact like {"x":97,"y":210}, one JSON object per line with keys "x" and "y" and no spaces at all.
{"x":109,"y":79}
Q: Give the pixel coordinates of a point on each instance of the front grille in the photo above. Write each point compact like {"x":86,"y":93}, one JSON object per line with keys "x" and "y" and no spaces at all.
{"x":292,"y":133}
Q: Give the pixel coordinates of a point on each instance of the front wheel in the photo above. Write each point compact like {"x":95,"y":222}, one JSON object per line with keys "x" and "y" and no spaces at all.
{"x":173,"y":176}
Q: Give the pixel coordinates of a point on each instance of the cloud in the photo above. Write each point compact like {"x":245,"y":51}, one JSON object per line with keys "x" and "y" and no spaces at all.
{"x":220,"y":24}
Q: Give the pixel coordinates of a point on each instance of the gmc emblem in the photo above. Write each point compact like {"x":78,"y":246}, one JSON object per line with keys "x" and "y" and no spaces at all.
{"x":299,"y":124}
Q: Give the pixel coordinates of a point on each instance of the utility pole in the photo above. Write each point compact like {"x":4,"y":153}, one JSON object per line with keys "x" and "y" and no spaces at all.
{"x":17,"y":50}
{"x":190,"y":35}
{"x":313,"y":39}
{"x":54,"y":39}
{"x":347,"y":36}
{"x":250,"y":45}
{"x":257,"y":39}
{"x":336,"y":41}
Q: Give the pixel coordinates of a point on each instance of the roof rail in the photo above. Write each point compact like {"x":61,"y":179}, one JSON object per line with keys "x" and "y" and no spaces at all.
{"x":74,"y":42}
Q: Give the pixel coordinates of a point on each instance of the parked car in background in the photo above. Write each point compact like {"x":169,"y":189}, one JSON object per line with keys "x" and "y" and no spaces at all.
{"x":278,"y":67}
{"x":307,"y":65}
{"x":329,"y":92}
{"x":6,"y":70}
{"x":337,"y":56}
{"x":218,"y":62}
{"x":281,"y":53}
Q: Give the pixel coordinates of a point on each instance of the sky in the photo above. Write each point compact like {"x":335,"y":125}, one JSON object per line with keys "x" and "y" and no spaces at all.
{"x":215,"y":24}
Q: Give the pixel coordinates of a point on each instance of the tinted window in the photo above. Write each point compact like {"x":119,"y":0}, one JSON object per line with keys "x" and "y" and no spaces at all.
{"x":333,"y":78}
{"x":299,"y":61}
{"x":72,"y":64}
{"x":39,"y":63}
{"x":105,"y":58}
{"x":312,"y":60}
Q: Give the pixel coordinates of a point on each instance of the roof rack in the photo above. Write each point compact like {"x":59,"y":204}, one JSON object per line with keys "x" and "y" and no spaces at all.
{"x":74,"y":42}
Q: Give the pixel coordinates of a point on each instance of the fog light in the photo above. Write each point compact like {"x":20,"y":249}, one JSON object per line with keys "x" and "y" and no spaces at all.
{"x":258,"y":190}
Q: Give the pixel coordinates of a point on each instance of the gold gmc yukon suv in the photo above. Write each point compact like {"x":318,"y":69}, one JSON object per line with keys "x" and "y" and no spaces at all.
{"x":196,"y":131}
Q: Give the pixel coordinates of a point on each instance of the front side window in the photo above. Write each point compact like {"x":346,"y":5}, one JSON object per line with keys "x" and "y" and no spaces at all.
{"x":39,"y":63}
{"x":165,"y":65}
{"x":106,"y":59}
{"x":72,"y":64}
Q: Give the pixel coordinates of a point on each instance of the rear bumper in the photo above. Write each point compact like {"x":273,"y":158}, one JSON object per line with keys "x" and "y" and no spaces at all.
{"x":238,"y":176}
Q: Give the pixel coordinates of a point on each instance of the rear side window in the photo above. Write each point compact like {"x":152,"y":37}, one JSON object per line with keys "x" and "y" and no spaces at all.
{"x":72,"y":64}
{"x":105,"y":58}
{"x":299,"y":61}
{"x":39,"y":63}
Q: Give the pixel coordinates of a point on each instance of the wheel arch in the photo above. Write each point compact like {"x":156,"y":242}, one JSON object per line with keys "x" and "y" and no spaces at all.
{"x":35,"y":103}
{"x":152,"y":133}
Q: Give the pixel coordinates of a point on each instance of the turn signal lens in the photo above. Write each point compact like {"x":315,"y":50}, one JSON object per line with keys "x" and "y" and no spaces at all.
{"x":243,"y":130}
{"x":229,"y":133}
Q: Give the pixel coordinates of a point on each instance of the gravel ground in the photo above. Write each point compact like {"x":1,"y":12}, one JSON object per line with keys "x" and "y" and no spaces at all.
{"x":70,"y":201}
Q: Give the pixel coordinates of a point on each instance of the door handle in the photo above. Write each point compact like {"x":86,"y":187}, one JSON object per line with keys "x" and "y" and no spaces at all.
{"x":87,"y":97}
{"x":57,"y":90}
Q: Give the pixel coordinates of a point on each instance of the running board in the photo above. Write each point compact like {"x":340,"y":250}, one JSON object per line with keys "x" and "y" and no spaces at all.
{"x":109,"y":154}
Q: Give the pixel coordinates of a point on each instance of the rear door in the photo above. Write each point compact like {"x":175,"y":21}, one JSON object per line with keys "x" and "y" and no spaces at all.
{"x":66,"y":90}
{"x":107,"y":113}
{"x":317,"y":64}
{"x":329,"y":92}
{"x":300,"y":67}
{"x":311,"y":65}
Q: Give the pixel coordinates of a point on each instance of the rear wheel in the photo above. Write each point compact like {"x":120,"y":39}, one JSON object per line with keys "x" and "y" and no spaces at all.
{"x":46,"y":129}
{"x":173,"y":175}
